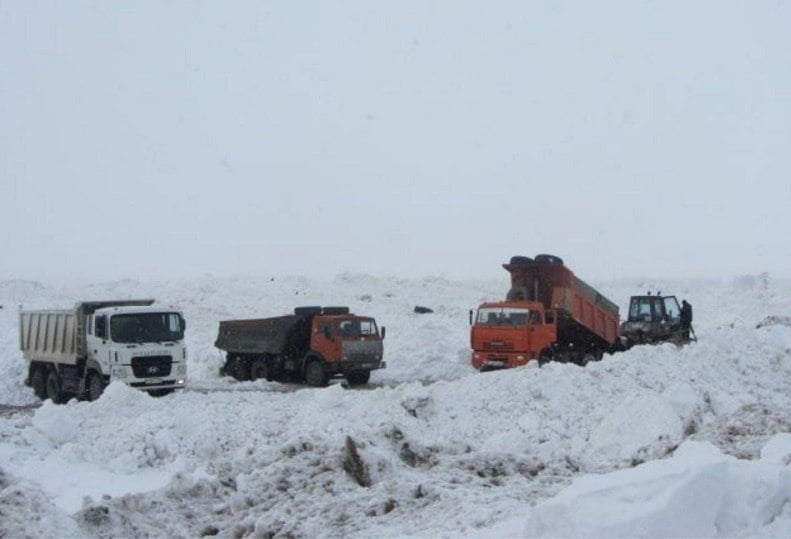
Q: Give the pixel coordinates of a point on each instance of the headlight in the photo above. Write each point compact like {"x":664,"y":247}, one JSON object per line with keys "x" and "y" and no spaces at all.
{"x":119,"y":372}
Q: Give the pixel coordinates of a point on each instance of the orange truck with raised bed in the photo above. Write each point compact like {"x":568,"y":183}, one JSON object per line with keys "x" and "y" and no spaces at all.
{"x":549,"y":315}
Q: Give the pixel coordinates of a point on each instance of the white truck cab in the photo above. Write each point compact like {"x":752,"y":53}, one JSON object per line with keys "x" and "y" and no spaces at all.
{"x":140,"y":346}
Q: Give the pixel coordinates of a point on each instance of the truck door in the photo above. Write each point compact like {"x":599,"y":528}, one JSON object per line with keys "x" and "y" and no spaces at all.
{"x":542,"y":330}
{"x":325,"y":338}
{"x":98,"y":341}
{"x":672,"y":313}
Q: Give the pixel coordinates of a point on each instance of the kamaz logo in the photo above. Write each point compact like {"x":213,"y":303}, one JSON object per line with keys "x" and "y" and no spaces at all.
{"x":153,"y":370}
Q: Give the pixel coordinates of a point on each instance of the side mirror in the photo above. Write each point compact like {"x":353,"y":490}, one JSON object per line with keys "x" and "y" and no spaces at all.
{"x":326,"y":331}
{"x":183,"y":323}
{"x":384,"y":332}
{"x":470,"y":316}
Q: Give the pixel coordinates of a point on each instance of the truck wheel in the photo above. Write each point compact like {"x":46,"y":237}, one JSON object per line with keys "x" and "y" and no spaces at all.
{"x":38,"y":381}
{"x":259,"y":370}
{"x":548,"y":259}
{"x":94,"y":386}
{"x":358,"y":378}
{"x":161,"y":392}
{"x":544,"y":358}
{"x":315,"y":375}
{"x":54,"y":391}
{"x":239,"y":369}
{"x":586,"y":358}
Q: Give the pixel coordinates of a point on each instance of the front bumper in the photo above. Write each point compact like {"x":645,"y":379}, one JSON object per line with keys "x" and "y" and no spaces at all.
{"x":500,"y":360}
{"x":347,"y":366}
{"x":149,"y":385}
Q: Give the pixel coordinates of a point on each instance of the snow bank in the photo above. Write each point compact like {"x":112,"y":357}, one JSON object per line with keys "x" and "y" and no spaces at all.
{"x":26,"y":511}
{"x":698,"y":492}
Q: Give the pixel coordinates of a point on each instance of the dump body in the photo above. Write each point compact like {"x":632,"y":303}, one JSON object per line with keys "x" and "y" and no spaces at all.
{"x":549,"y":313}
{"x":338,"y":341}
{"x":51,"y":336}
{"x":126,"y":340}
{"x":262,"y":335}
{"x":584,"y":314}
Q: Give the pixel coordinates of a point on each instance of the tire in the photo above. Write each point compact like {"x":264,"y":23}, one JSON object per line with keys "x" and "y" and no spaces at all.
{"x":239,"y":369}
{"x":586,"y":358}
{"x":544,"y":358}
{"x":334,"y":310}
{"x":548,"y":259}
{"x":54,"y":387}
{"x":315,"y":374}
{"x":38,"y":381}
{"x":307,"y":311}
{"x":358,"y":378}
{"x":94,"y":386}
{"x":259,"y":369}
{"x":161,"y":392}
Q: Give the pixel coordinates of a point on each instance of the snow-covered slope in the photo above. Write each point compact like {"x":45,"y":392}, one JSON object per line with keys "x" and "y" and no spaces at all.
{"x":447,"y":451}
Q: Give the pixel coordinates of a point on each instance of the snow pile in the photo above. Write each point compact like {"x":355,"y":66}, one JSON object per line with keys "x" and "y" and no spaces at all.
{"x":430,"y":447}
{"x":26,"y":511}
{"x":699,"y":492}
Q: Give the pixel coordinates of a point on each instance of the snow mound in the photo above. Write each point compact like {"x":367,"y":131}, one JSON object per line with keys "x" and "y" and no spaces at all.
{"x":26,"y":511}
{"x":699,"y":492}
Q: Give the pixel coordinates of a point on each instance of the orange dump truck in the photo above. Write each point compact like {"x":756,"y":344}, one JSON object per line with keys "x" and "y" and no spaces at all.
{"x":549,"y":314}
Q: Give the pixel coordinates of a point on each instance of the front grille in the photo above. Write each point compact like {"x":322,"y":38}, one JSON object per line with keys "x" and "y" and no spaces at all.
{"x":498,"y":345}
{"x":152,"y":366}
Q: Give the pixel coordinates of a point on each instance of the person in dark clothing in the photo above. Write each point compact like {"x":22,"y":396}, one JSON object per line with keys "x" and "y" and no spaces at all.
{"x":686,"y":318}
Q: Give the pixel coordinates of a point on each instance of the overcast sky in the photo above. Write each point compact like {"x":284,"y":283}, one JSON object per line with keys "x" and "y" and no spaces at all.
{"x":157,"y":139}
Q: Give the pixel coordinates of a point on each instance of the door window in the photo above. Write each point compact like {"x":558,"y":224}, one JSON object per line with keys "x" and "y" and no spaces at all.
{"x":671,"y":308}
{"x":101,"y":327}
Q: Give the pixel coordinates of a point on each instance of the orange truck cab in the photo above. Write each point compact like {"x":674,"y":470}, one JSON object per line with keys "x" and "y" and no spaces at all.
{"x":511,"y":333}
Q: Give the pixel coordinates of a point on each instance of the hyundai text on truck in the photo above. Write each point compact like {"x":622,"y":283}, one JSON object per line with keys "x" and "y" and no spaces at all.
{"x":549,"y":314}
{"x":313,"y":345}
{"x":78,"y":352}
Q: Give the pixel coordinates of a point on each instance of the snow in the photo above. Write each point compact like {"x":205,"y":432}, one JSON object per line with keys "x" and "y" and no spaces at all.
{"x":655,"y":442}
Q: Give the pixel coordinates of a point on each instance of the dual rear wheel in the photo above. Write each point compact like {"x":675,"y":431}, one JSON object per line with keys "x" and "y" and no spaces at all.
{"x":54,"y":387}
{"x":259,"y":369}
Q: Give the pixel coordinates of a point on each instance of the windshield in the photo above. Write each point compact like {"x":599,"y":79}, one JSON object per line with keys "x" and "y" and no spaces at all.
{"x":502,"y":316}
{"x":148,"y":327}
{"x":358,"y":327}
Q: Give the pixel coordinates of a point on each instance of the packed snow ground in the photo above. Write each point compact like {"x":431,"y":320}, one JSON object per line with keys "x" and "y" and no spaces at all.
{"x":654,"y":442}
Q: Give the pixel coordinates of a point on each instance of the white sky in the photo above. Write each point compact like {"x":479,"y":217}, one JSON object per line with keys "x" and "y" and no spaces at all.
{"x":158,"y":138}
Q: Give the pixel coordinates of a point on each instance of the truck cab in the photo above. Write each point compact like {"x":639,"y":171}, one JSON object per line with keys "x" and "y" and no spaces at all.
{"x":510,"y":334}
{"x":142,"y":346}
{"x":652,"y":319}
{"x":349,"y":345}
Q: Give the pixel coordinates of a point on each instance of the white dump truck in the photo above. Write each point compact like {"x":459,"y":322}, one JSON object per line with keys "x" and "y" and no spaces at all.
{"x":78,"y":352}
